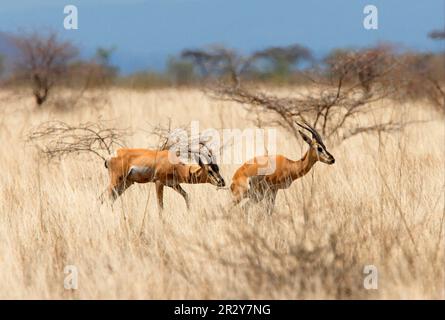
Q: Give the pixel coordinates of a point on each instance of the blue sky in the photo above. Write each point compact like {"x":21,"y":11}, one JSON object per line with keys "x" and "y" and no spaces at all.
{"x":146,"y":32}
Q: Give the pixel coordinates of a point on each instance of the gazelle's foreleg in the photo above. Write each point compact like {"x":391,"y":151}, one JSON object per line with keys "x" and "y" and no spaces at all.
{"x":182,"y":192}
{"x":117,"y":190}
{"x":239,"y":189}
{"x":160,"y":195}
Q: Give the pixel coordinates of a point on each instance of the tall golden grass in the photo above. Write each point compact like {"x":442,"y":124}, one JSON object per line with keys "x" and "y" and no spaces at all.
{"x":381,"y":204}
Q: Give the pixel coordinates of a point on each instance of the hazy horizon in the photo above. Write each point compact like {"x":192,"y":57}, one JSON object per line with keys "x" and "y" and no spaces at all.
{"x":146,"y":32}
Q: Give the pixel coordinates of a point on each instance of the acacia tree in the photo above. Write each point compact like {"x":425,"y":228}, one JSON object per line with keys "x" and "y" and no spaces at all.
{"x":43,"y":62}
{"x":279,"y":60}
{"x":224,"y":63}
{"x":437,"y":34}
{"x":217,"y":61}
{"x":354,"y":81}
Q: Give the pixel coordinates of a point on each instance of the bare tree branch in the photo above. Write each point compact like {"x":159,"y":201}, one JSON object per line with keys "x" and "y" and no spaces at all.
{"x":60,"y":139}
{"x":358,"y":79}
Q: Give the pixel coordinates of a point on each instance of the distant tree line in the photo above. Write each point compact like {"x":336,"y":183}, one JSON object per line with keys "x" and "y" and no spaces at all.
{"x":46,"y":62}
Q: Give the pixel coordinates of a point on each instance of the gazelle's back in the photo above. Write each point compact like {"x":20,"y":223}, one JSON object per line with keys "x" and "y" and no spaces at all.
{"x":262,"y":165}
{"x":272,"y":169}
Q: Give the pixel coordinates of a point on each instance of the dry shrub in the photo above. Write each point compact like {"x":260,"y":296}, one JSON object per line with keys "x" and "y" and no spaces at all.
{"x":56,"y":139}
{"x":422,"y":76}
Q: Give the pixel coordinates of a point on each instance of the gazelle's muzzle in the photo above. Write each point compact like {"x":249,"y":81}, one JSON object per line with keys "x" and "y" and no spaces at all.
{"x":217,"y":181}
{"x":114,"y":193}
{"x":326,"y":157}
{"x":331,"y":159}
{"x":117,"y":190}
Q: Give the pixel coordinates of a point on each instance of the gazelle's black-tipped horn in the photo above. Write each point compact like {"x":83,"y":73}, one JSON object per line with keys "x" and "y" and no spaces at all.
{"x":302,"y":126}
{"x":305,"y":126}
{"x":312,"y":130}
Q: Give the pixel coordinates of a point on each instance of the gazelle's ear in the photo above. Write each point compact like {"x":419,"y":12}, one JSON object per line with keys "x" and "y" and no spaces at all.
{"x":305,"y":137}
{"x":198,"y":159}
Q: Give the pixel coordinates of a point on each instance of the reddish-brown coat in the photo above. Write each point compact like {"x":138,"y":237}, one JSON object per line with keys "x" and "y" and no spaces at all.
{"x":286,"y":171}
{"x":157,"y":167}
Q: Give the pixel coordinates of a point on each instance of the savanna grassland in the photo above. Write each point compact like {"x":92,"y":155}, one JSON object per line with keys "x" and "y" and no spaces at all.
{"x":381,"y":204}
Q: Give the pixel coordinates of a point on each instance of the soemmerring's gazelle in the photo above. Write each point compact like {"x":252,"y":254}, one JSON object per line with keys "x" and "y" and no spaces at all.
{"x":247,"y":183}
{"x":144,"y":165}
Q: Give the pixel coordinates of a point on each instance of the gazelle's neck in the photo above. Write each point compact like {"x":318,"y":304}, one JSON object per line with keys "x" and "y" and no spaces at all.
{"x":304,"y":165}
{"x":201,"y":177}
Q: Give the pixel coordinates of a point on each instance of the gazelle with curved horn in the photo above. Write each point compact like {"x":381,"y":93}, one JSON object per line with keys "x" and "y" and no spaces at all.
{"x":163,"y":168}
{"x":248,"y":183}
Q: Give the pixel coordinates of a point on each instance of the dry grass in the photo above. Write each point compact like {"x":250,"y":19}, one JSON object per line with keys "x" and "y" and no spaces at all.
{"x":382,"y":203}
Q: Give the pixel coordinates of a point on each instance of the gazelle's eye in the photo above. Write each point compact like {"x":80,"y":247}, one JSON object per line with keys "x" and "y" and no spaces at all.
{"x":320,"y":149}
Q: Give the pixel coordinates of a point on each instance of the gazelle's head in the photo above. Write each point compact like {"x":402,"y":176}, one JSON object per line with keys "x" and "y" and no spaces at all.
{"x":316,"y":143}
{"x":118,"y":181}
{"x":207,"y":169}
